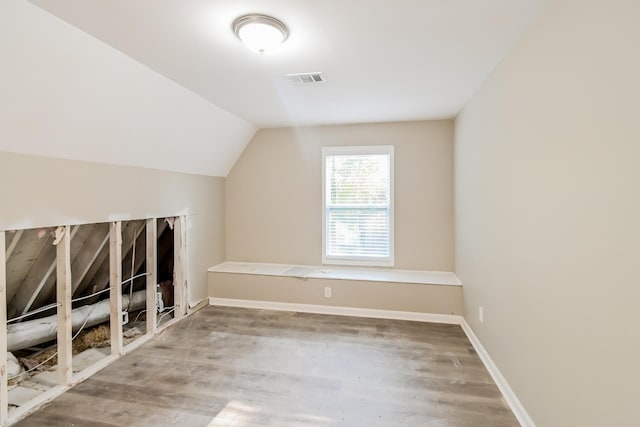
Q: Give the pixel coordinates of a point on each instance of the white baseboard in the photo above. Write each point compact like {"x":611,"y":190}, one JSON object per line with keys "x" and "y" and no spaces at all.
{"x":510,"y":397}
{"x":338,"y":310}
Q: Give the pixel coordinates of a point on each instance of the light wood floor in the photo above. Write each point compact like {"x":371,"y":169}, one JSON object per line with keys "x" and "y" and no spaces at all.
{"x":238,"y":367}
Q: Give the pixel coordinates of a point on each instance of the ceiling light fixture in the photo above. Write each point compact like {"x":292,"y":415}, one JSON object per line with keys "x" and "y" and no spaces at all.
{"x":260,"y":33}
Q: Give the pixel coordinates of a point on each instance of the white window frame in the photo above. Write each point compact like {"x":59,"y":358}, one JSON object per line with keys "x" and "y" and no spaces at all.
{"x":355,"y":150}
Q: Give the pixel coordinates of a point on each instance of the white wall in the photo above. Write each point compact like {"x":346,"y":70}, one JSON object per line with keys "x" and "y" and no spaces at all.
{"x":274,"y":193}
{"x":66,"y":94}
{"x":548,"y":214}
{"x":39,"y":192}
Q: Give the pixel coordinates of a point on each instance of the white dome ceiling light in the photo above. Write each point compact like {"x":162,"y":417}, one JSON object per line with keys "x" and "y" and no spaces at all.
{"x":260,"y":33}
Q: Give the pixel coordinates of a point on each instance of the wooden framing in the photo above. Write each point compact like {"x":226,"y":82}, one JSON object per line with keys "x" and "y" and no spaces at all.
{"x":4,"y":394}
{"x":152,"y":268}
{"x":115,"y":286}
{"x":66,"y":284}
{"x":63,"y":297}
{"x":179,"y":267}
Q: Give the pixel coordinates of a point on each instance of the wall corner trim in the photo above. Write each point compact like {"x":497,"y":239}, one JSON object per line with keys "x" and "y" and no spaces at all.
{"x":514,"y":403}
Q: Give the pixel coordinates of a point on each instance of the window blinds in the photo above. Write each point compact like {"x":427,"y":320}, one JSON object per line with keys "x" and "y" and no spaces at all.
{"x":358,"y":206}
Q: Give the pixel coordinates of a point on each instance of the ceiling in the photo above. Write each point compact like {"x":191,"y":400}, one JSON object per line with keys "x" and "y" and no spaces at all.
{"x":383,"y":60}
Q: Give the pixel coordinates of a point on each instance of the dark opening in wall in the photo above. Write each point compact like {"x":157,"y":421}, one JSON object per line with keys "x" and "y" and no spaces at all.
{"x":134,"y":279}
{"x":166,"y":267}
{"x":70,"y":269}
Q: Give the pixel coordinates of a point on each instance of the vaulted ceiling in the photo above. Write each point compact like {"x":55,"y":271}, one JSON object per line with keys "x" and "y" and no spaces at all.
{"x":165,"y":84}
{"x":383,"y":60}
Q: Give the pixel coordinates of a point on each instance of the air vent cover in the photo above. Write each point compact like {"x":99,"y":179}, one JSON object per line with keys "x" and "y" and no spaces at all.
{"x":306,"y":78}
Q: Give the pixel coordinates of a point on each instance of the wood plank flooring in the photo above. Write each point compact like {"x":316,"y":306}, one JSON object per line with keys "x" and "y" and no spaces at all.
{"x":236,"y":367}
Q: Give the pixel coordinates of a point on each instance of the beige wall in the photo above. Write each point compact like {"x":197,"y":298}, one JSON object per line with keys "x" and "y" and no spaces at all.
{"x":274,"y":203}
{"x":548,"y":215}
{"x":411,"y":297}
{"x":39,"y":191}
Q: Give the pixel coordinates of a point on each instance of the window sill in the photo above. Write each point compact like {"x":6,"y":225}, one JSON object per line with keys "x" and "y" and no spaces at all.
{"x":444,"y":278}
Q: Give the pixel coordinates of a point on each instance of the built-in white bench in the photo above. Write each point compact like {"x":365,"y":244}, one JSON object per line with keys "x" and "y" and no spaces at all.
{"x":339,"y":273}
{"x":266,"y":285}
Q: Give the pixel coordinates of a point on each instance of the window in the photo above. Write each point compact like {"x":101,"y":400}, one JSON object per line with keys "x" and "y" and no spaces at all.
{"x":357,"y":193}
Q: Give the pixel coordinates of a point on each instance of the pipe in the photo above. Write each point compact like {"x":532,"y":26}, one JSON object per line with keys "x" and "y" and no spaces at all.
{"x":38,"y":331}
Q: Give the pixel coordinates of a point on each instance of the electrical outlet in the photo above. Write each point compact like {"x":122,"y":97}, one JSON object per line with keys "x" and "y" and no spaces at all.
{"x":327,"y":292}
{"x":481,"y":314}
{"x":125,"y":317}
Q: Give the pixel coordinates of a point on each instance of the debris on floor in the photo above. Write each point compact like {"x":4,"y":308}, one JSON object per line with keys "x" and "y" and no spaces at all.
{"x":132,"y":333}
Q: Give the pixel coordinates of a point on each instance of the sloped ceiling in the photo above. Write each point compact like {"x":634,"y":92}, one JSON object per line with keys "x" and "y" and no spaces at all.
{"x":66,"y":94}
{"x":384,"y":60}
{"x":167,"y":85}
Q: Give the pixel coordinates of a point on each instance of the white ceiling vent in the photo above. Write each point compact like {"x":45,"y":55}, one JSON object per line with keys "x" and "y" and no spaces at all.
{"x":306,"y":78}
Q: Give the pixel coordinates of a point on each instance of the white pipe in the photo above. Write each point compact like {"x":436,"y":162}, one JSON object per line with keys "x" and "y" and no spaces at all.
{"x":38,"y":331}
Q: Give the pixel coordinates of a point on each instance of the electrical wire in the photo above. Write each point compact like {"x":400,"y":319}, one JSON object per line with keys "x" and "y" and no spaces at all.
{"x":168,"y":312}
{"x":166,"y":308}
{"x":34,"y":367}
{"x":86,"y":319}
{"x":92,"y":295}
{"x":138,"y":316}
{"x":136,"y":277}
{"x":55,"y":305}
{"x":30,"y":313}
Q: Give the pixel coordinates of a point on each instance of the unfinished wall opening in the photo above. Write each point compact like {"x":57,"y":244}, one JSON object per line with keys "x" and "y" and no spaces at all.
{"x":90,"y":295}
{"x":166,"y":270}
{"x":134,"y":283}
{"x":76,"y":297}
{"x":136,"y":270}
{"x":31,"y":276}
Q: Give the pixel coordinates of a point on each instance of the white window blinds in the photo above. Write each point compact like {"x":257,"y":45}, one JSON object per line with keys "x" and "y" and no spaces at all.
{"x":358,"y":205}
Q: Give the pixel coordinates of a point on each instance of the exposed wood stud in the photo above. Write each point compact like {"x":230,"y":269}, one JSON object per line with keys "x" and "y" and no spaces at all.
{"x":179,"y":265}
{"x":4,"y":395}
{"x":13,"y":244}
{"x":184,"y":266}
{"x":152,"y":268}
{"x":63,"y":296}
{"x":115,"y":286}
